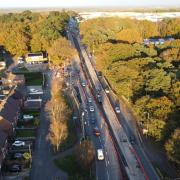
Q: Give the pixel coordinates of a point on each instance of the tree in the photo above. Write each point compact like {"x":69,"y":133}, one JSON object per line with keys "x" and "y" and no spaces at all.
{"x":85,"y":153}
{"x":157,"y":80}
{"x":130,"y":35}
{"x":172,"y":147}
{"x":58,"y":114}
{"x":61,"y":51}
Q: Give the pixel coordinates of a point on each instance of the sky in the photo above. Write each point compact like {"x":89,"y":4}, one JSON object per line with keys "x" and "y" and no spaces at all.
{"x":83,"y":3}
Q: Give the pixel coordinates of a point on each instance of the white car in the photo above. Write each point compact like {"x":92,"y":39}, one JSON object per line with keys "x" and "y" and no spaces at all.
{"x":28,"y":117}
{"x":91,"y":108}
{"x":33,"y":90}
{"x":83,"y":84}
{"x":19,"y":143}
{"x":89,"y":99}
{"x":100,"y":154}
{"x":107,"y":90}
{"x":117,"y":109}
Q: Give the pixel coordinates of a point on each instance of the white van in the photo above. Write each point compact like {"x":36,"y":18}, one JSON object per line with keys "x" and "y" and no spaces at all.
{"x":100,"y":154}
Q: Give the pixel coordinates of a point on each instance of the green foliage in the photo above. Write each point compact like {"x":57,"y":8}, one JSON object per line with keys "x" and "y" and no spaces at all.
{"x":157,"y":80}
{"x":172,"y":147}
{"x":27,"y":31}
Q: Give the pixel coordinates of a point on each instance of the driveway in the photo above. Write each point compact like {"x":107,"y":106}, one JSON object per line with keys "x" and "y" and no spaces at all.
{"x":43,"y":167}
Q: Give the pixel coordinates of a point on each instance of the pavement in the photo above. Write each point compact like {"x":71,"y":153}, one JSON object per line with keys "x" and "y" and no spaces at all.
{"x":43,"y":167}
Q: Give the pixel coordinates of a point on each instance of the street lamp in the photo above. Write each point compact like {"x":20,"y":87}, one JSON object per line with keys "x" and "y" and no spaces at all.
{"x":82,"y":123}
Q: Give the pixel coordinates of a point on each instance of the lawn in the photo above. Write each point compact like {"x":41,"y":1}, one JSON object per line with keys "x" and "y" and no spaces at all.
{"x":29,"y":124}
{"x":71,"y":166}
{"x":34,"y":79}
{"x":25,"y":133}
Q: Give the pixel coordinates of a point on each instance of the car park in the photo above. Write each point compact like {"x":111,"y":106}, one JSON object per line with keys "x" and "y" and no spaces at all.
{"x":117,"y":109}
{"x":18,"y":143}
{"x":15,"y":168}
{"x":100,"y":154}
{"x":96,"y":131}
{"x":91,"y":108}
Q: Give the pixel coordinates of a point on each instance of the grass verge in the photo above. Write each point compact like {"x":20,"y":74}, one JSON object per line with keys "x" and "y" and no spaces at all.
{"x":34,"y":79}
{"x":71,"y":166}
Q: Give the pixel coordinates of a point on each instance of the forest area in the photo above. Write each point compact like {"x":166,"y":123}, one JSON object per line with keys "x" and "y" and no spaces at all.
{"x":147,"y":75}
{"x":25,"y":32}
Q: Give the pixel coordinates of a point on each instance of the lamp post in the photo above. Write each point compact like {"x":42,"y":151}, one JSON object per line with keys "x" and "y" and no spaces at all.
{"x":82,"y":123}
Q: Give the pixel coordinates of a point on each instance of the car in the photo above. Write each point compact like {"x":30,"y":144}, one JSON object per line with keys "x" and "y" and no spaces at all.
{"x":132,"y":140}
{"x":89,"y":99}
{"x":15,"y":168}
{"x":100,"y":154}
{"x":91,"y":108}
{"x":19,"y":143}
{"x":83,"y":83}
{"x":107,"y":90}
{"x":18,"y":156}
{"x":33,"y":90}
{"x":28,"y":117}
{"x":96,"y":131}
{"x":117,"y":109}
{"x":93,"y":119}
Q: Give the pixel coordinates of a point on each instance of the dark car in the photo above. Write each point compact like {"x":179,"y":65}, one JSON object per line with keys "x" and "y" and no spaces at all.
{"x":15,"y":168}
{"x":96,"y":131}
{"x":93,"y":119}
{"x":18,"y":156}
{"x":132,"y":140}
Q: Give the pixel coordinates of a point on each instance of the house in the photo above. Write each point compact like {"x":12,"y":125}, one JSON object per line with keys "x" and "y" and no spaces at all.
{"x":19,"y":79}
{"x":3,"y":146}
{"x":10,"y":113}
{"x":156,"y":41}
{"x":2,"y":64}
{"x":33,"y":58}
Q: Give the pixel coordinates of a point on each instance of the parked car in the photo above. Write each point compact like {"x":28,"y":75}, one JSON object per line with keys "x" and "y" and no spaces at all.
{"x":100,"y":154}
{"x":96,"y":131}
{"x":19,"y":143}
{"x":91,"y":108}
{"x":27,"y":117}
{"x":18,"y":156}
{"x":15,"y":168}
{"x":117,"y":109}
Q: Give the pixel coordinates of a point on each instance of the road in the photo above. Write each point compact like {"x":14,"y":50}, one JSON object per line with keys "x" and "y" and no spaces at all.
{"x":43,"y":168}
{"x":109,"y":168}
{"x":136,"y":163}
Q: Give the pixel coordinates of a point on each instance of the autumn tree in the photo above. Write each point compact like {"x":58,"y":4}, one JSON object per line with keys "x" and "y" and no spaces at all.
{"x":129,"y":35}
{"x":172,"y":147}
{"x":85,"y":153}
{"x":61,"y":51}
{"x":58,"y":114}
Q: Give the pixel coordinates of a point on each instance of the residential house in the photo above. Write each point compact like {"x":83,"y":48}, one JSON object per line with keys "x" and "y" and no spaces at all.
{"x":157,"y":41}
{"x":33,"y":58}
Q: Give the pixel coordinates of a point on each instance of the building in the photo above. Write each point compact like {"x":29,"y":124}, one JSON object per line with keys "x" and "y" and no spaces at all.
{"x":33,"y":58}
{"x":3,"y":146}
{"x":157,"y":41}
